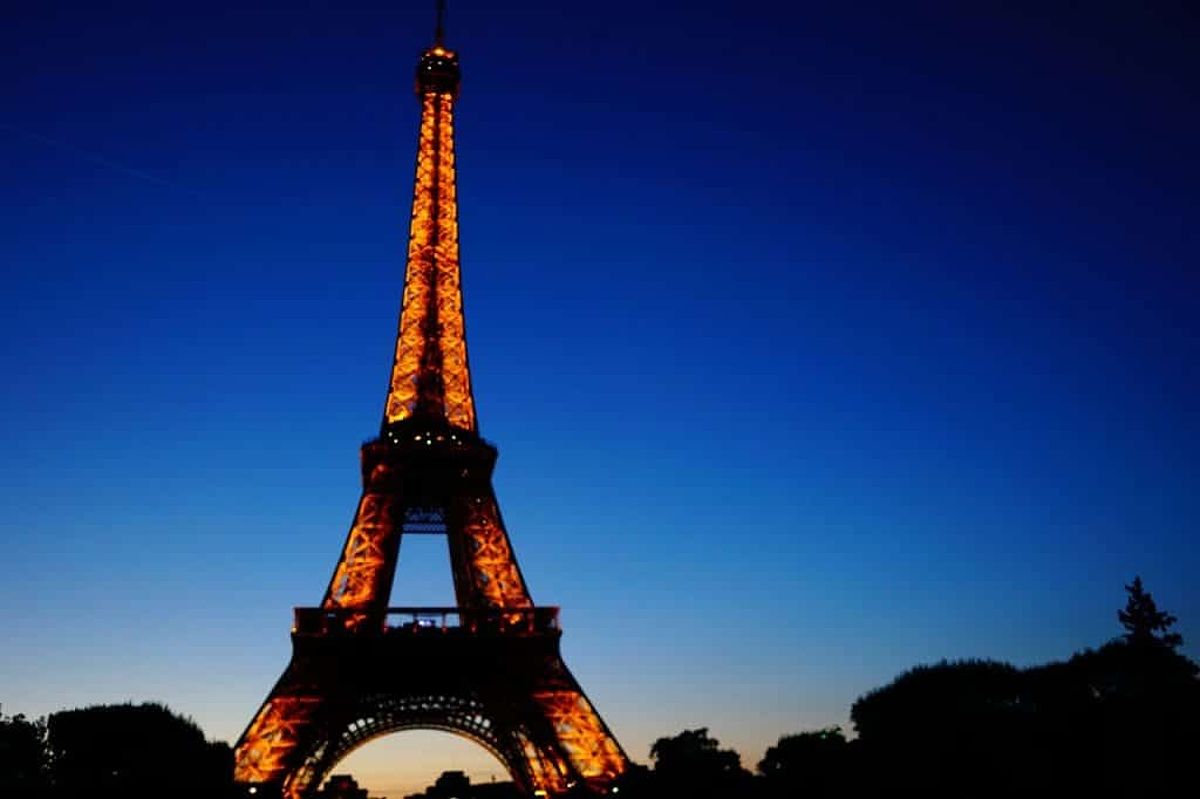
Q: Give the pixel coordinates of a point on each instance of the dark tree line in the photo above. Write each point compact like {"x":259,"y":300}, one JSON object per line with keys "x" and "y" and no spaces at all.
{"x":24,"y":763}
{"x":123,"y":751}
{"x":1121,"y":720}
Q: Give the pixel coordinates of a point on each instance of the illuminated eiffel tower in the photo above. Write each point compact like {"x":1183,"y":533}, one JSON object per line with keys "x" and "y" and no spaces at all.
{"x":488,"y":669}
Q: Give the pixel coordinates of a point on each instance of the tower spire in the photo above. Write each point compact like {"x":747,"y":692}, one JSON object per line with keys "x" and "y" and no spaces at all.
{"x":439,"y":36}
{"x":430,"y":380}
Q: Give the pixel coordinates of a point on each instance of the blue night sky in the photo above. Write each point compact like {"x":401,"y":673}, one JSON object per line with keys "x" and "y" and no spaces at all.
{"x":817,"y":341}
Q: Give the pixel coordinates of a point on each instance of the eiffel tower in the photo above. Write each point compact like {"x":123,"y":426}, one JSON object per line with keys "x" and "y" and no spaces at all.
{"x":489,"y":669}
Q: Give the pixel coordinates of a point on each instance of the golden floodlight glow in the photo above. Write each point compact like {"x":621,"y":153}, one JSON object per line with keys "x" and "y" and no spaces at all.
{"x":430,"y":376}
{"x":363,"y":571}
{"x":580,"y":731}
{"x":271,"y":737}
{"x":491,"y":670}
{"x":493,"y":577}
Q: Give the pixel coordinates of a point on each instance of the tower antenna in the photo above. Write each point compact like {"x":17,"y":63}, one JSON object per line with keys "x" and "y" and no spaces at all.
{"x":440,"y":34}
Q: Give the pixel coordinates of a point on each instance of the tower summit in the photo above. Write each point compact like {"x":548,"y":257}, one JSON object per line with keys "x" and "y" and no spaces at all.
{"x":430,"y":378}
{"x":488,"y":669}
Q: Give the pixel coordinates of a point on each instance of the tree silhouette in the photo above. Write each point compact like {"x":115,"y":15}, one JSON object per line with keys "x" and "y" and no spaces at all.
{"x":1144,"y":623}
{"x":949,"y":729}
{"x":811,"y":764}
{"x":1121,"y":720}
{"x":692,"y":765}
{"x":24,"y":759}
{"x":134,"y":751}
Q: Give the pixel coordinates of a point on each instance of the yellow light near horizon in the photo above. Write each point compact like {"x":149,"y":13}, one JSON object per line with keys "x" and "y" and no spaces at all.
{"x":407,"y":762}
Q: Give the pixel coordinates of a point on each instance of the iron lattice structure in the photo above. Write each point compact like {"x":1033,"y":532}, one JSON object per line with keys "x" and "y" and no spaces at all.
{"x":489,"y":669}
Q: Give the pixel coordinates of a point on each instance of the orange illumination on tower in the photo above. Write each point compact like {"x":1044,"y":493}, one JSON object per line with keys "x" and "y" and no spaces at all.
{"x":488,"y":669}
{"x":430,"y":377}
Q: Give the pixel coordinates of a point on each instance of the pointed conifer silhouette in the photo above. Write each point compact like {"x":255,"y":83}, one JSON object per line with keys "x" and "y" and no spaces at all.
{"x":1144,"y":623}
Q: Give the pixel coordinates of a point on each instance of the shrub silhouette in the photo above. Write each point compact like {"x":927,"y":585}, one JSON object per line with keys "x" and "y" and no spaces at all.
{"x":133,"y":751}
{"x":692,"y":764}
{"x":811,"y":764}
{"x":24,"y":760}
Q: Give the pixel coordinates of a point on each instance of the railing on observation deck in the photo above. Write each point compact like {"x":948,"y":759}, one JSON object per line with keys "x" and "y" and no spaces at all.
{"x":427,"y":621}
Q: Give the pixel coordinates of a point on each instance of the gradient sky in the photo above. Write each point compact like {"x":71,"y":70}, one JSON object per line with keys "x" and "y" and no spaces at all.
{"x":817,"y":341}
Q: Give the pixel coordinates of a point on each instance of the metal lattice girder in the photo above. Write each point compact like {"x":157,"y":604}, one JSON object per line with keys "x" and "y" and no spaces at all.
{"x":430,"y":374}
{"x":490,"y":575}
{"x":455,"y":373}
{"x":364,"y":571}
{"x":549,"y":772}
{"x":267,"y":746}
{"x":377,"y":716}
{"x":593,"y":751}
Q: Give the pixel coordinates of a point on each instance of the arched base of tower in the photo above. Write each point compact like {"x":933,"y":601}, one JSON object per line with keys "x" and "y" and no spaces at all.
{"x":504,"y":687}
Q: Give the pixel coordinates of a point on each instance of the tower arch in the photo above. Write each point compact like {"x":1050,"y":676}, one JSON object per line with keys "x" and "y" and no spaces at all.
{"x":379,"y":717}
